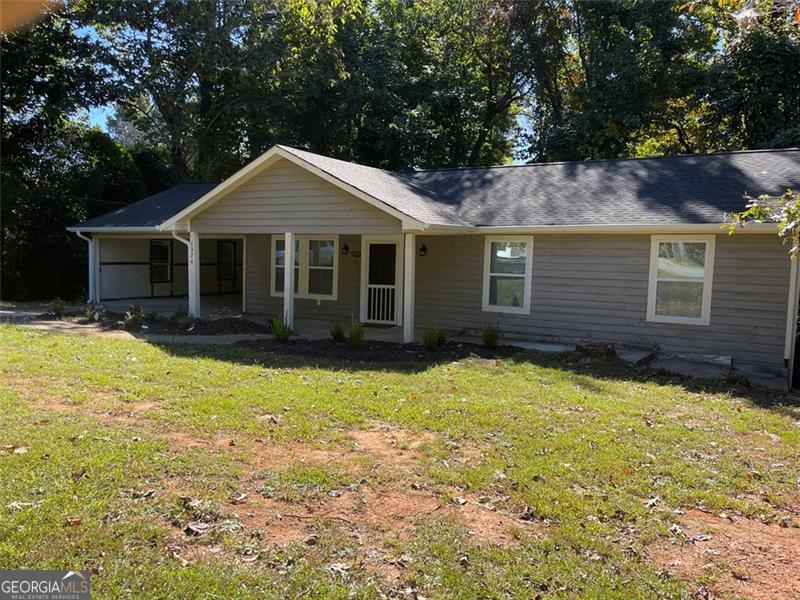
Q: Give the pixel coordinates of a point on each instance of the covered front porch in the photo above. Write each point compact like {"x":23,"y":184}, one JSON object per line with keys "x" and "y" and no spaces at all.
{"x":230,"y":305}
{"x":336,"y":278}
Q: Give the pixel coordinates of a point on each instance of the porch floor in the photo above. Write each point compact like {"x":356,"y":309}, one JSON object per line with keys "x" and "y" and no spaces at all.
{"x":211,"y":306}
{"x":320,"y":329}
{"x":313,"y":329}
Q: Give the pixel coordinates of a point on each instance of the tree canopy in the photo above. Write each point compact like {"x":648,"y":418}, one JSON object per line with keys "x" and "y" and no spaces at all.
{"x":197,"y":88}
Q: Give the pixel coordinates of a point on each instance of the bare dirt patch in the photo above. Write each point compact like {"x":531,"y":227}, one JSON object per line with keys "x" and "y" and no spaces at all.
{"x":741,"y":557}
{"x":373,"y":510}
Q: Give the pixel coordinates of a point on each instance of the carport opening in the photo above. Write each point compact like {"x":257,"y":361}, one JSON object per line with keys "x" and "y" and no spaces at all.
{"x":152,"y":272}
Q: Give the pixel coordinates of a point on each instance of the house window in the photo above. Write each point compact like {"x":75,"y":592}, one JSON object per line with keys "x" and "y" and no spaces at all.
{"x":507,"y":269}
{"x":226,"y":260}
{"x":316,"y":260}
{"x":681,"y":270}
{"x":160,"y":261}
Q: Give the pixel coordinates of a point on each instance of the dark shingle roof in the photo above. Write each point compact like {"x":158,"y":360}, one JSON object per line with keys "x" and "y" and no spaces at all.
{"x":153,"y":210}
{"x":681,"y":189}
{"x":692,"y":189}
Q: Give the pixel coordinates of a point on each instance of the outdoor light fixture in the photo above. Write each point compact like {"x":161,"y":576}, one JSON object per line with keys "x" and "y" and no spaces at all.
{"x":345,"y":249}
{"x":423,"y":250}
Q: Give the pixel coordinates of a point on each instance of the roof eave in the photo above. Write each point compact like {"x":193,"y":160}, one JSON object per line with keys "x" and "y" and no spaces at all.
{"x":640,"y":228}
{"x":112,"y":229}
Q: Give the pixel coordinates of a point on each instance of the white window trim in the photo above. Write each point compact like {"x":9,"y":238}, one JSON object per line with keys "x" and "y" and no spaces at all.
{"x":708,"y":280}
{"x":303,"y":268}
{"x":168,"y":263}
{"x":526,"y":304}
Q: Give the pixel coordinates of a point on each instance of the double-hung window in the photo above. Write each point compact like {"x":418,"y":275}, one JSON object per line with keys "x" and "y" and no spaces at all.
{"x":681,"y":274}
{"x":507,"y":266}
{"x":160,"y":261}
{"x":316,"y":262}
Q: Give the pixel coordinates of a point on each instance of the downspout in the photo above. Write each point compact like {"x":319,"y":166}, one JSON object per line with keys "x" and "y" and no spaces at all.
{"x":91,"y":294}
{"x":183,"y":241}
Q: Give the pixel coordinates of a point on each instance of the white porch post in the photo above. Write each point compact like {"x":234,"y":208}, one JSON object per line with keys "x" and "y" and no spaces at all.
{"x":288,"y":279}
{"x":92,"y":264}
{"x":94,"y":269}
{"x":409,"y":268}
{"x":194,"y":274}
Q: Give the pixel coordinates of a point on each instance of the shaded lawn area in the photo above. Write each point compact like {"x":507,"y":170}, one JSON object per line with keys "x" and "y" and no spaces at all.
{"x":231,"y":472}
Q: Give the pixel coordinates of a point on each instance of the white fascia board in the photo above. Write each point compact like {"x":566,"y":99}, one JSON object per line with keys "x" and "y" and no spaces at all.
{"x":114,"y":229}
{"x":677,"y":228}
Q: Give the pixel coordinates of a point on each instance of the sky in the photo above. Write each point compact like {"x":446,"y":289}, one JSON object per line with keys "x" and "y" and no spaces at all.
{"x":98,"y":116}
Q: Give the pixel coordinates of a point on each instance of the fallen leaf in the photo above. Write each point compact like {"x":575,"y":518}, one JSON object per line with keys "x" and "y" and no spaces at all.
{"x":74,"y":521}
{"x":239,"y":498}
{"x":652,"y":501}
{"x":197,"y":528}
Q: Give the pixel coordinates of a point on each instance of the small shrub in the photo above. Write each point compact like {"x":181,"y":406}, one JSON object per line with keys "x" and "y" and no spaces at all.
{"x":356,"y":334}
{"x":94,"y":313}
{"x":134,"y":318}
{"x":433,"y":339}
{"x":281,"y":330}
{"x":181,"y":319}
{"x":337,"y":335}
{"x":490,"y":336}
{"x":57,"y":307}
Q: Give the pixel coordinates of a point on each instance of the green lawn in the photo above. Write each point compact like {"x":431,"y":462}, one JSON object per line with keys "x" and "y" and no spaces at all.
{"x":110,"y":448}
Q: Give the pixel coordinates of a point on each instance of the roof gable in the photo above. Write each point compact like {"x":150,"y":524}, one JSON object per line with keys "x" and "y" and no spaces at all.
{"x":349,"y":179}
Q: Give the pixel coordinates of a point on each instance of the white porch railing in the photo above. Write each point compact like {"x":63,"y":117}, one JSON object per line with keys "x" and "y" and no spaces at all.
{"x":381,"y":303}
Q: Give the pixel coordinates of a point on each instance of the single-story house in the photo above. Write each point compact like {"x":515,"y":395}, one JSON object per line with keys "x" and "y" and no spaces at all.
{"x":629,"y":251}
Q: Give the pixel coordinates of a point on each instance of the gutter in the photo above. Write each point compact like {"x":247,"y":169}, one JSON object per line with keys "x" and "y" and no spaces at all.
{"x":78,"y":228}
{"x":715,"y":228}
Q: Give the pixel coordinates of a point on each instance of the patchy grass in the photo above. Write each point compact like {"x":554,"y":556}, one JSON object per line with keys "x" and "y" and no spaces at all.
{"x":187,"y":471}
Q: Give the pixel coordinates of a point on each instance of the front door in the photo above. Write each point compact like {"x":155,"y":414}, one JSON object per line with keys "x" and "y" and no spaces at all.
{"x":380,"y":301}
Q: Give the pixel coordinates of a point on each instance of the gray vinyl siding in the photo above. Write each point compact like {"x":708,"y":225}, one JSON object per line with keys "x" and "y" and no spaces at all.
{"x":286,"y":197}
{"x":260,"y":300}
{"x":594,"y":288}
{"x":125,"y":269}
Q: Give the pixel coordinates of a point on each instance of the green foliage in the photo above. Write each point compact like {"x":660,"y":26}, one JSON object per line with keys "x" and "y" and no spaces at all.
{"x":133,"y":318}
{"x":433,"y":339}
{"x":489,"y":336}
{"x":57,"y":307}
{"x":182,"y":319}
{"x":755,"y":91}
{"x":94,"y":312}
{"x":281,"y":330}
{"x":337,"y":334}
{"x":356,"y":339}
{"x":785,"y":211}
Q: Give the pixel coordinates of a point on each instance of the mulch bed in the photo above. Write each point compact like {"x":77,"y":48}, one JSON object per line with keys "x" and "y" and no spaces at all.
{"x":164,"y":325}
{"x":380,"y":351}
